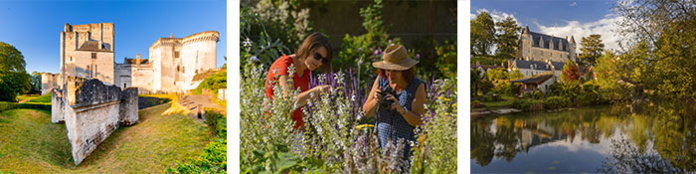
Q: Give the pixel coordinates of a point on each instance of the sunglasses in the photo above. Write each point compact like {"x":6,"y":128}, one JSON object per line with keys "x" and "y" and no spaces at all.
{"x":323,"y":60}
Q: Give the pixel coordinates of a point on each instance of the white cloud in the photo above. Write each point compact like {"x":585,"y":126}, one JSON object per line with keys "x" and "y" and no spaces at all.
{"x":573,"y":4}
{"x":607,"y":27}
{"x":495,"y":14}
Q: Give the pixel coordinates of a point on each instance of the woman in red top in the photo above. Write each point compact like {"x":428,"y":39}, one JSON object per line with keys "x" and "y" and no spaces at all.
{"x":314,"y":52}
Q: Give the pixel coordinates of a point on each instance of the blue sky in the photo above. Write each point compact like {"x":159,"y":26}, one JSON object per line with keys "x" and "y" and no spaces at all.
{"x":34,"y":27}
{"x":559,"y":18}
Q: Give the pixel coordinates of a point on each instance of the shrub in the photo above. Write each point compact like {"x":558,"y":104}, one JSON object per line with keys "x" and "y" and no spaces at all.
{"x":213,"y":82}
{"x":213,"y":160}
{"x":556,"y":102}
{"x":214,"y":157}
{"x":31,"y":105}
{"x":7,"y":106}
{"x":527,"y":104}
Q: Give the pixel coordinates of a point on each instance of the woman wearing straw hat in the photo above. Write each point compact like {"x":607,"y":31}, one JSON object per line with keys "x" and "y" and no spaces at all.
{"x":396,"y":119}
{"x":314,"y":52}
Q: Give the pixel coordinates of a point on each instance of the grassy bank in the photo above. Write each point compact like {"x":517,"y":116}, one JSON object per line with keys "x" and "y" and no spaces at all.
{"x":30,"y":143}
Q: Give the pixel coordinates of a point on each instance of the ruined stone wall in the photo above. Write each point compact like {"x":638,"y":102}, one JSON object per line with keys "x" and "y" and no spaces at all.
{"x":92,"y":111}
{"x":48,"y":82}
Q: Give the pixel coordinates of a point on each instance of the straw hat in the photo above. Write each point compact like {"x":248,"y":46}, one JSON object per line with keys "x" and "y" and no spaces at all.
{"x":395,"y":58}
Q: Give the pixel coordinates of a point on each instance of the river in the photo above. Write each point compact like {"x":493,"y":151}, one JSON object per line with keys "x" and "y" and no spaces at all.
{"x":585,"y":140}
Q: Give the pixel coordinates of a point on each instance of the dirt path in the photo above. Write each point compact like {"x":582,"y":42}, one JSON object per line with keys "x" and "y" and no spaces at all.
{"x":24,"y":101}
{"x":196,"y":103}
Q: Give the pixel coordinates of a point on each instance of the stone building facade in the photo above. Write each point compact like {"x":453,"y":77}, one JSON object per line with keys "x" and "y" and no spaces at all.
{"x":540,"y":47}
{"x":87,"y":51}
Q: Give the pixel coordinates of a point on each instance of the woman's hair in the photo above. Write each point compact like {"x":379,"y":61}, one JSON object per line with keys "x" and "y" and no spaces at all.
{"x":311,"y":43}
{"x":408,"y":74}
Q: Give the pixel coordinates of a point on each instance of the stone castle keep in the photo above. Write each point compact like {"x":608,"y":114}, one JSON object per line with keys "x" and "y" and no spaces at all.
{"x":87,"y":51}
{"x":94,"y":96}
{"x":540,"y":47}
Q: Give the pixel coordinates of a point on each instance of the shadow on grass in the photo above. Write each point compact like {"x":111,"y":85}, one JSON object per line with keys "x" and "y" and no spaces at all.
{"x":32,"y":144}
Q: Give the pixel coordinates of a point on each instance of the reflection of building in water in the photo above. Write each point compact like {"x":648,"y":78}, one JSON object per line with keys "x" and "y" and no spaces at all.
{"x":534,"y":134}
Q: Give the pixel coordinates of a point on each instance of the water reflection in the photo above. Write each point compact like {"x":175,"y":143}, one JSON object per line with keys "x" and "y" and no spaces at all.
{"x":575,"y":141}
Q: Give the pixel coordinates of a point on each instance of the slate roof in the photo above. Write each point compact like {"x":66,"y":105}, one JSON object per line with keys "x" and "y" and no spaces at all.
{"x":557,"y":41}
{"x":93,"y":46}
{"x":538,"y":65}
{"x":537,"y":79}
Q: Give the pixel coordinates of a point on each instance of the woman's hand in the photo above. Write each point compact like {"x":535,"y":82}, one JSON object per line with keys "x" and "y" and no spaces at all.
{"x":378,"y":95}
{"x":396,"y":105}
{"x":324,"y":88}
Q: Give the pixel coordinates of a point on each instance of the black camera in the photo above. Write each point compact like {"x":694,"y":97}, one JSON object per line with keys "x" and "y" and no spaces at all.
{"x":384,"y":103}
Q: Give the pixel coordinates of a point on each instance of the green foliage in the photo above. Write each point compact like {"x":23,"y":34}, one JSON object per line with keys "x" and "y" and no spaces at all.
{"x":592,"y":48}
{"x":526,"y":104}
{"x":14,"y":79}
{"x":270,"y":28}
{"x":447,"y":58}
{"x":214,"y":157}
{"x":213,"y":82}
{"x":7,"y":106}
{"x":482,"y":34}
{"x":507,"y":88}
{"x":508,"y":40}
{"x":556,"y":102}
{"x":439,"y":133}
{"x":31,"y":105}
{"x":213,"y":160}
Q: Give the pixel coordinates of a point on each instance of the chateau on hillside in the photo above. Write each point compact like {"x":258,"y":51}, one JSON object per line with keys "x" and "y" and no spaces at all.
{"x":540,"y":47}
{"x":87,"y":51}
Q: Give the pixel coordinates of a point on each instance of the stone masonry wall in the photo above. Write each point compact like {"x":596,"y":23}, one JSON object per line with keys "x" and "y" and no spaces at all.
{"x":92,"y":111}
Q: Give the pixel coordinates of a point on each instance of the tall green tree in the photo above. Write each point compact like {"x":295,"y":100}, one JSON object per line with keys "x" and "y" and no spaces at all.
{"x":35,"y":83}
{"x":508,"y":39}
{"x":13,"y":77}
{"x":482,"y":34}
{"x":591,"y":47}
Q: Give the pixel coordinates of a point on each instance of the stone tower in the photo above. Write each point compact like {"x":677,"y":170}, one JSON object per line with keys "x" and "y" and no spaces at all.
{"x":87,"y":51}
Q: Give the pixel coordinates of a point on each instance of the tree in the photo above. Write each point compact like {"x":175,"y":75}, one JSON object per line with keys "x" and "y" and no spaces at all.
{"x":571,"y":72}
{"x":591,"y":47}
{"x":12,"y":73}
{"x":482,"y":34}
{"x":508,"y":40}
{"x":35,"y":83}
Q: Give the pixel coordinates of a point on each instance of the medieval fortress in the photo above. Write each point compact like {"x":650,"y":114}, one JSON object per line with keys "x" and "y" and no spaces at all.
{"x":87,"y":51}
{"x":94,"y":96}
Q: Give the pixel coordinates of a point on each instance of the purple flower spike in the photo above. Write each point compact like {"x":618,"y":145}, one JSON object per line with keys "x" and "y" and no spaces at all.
{"x":254,"y":58}
{"x":376,"y":52}
{"x":417,"y":56}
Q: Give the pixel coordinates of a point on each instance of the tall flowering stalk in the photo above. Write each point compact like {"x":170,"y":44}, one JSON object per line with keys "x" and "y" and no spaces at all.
{"x":436,"y":150}
{"x":266,"y":126}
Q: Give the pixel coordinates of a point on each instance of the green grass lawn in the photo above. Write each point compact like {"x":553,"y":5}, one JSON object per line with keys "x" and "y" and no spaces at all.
{"x":46,"y":98}
{"x":30,"y":143}
{"x":506,"y":102}
{"x":29,"y":97}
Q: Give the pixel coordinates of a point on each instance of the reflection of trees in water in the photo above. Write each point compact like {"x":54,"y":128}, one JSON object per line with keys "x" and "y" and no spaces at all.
{"x":482,"y":147}
{"x":675,"y":138}
{"x":625,"y":158}
{"x":515,"y":133}
{"x":664,"y":142}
